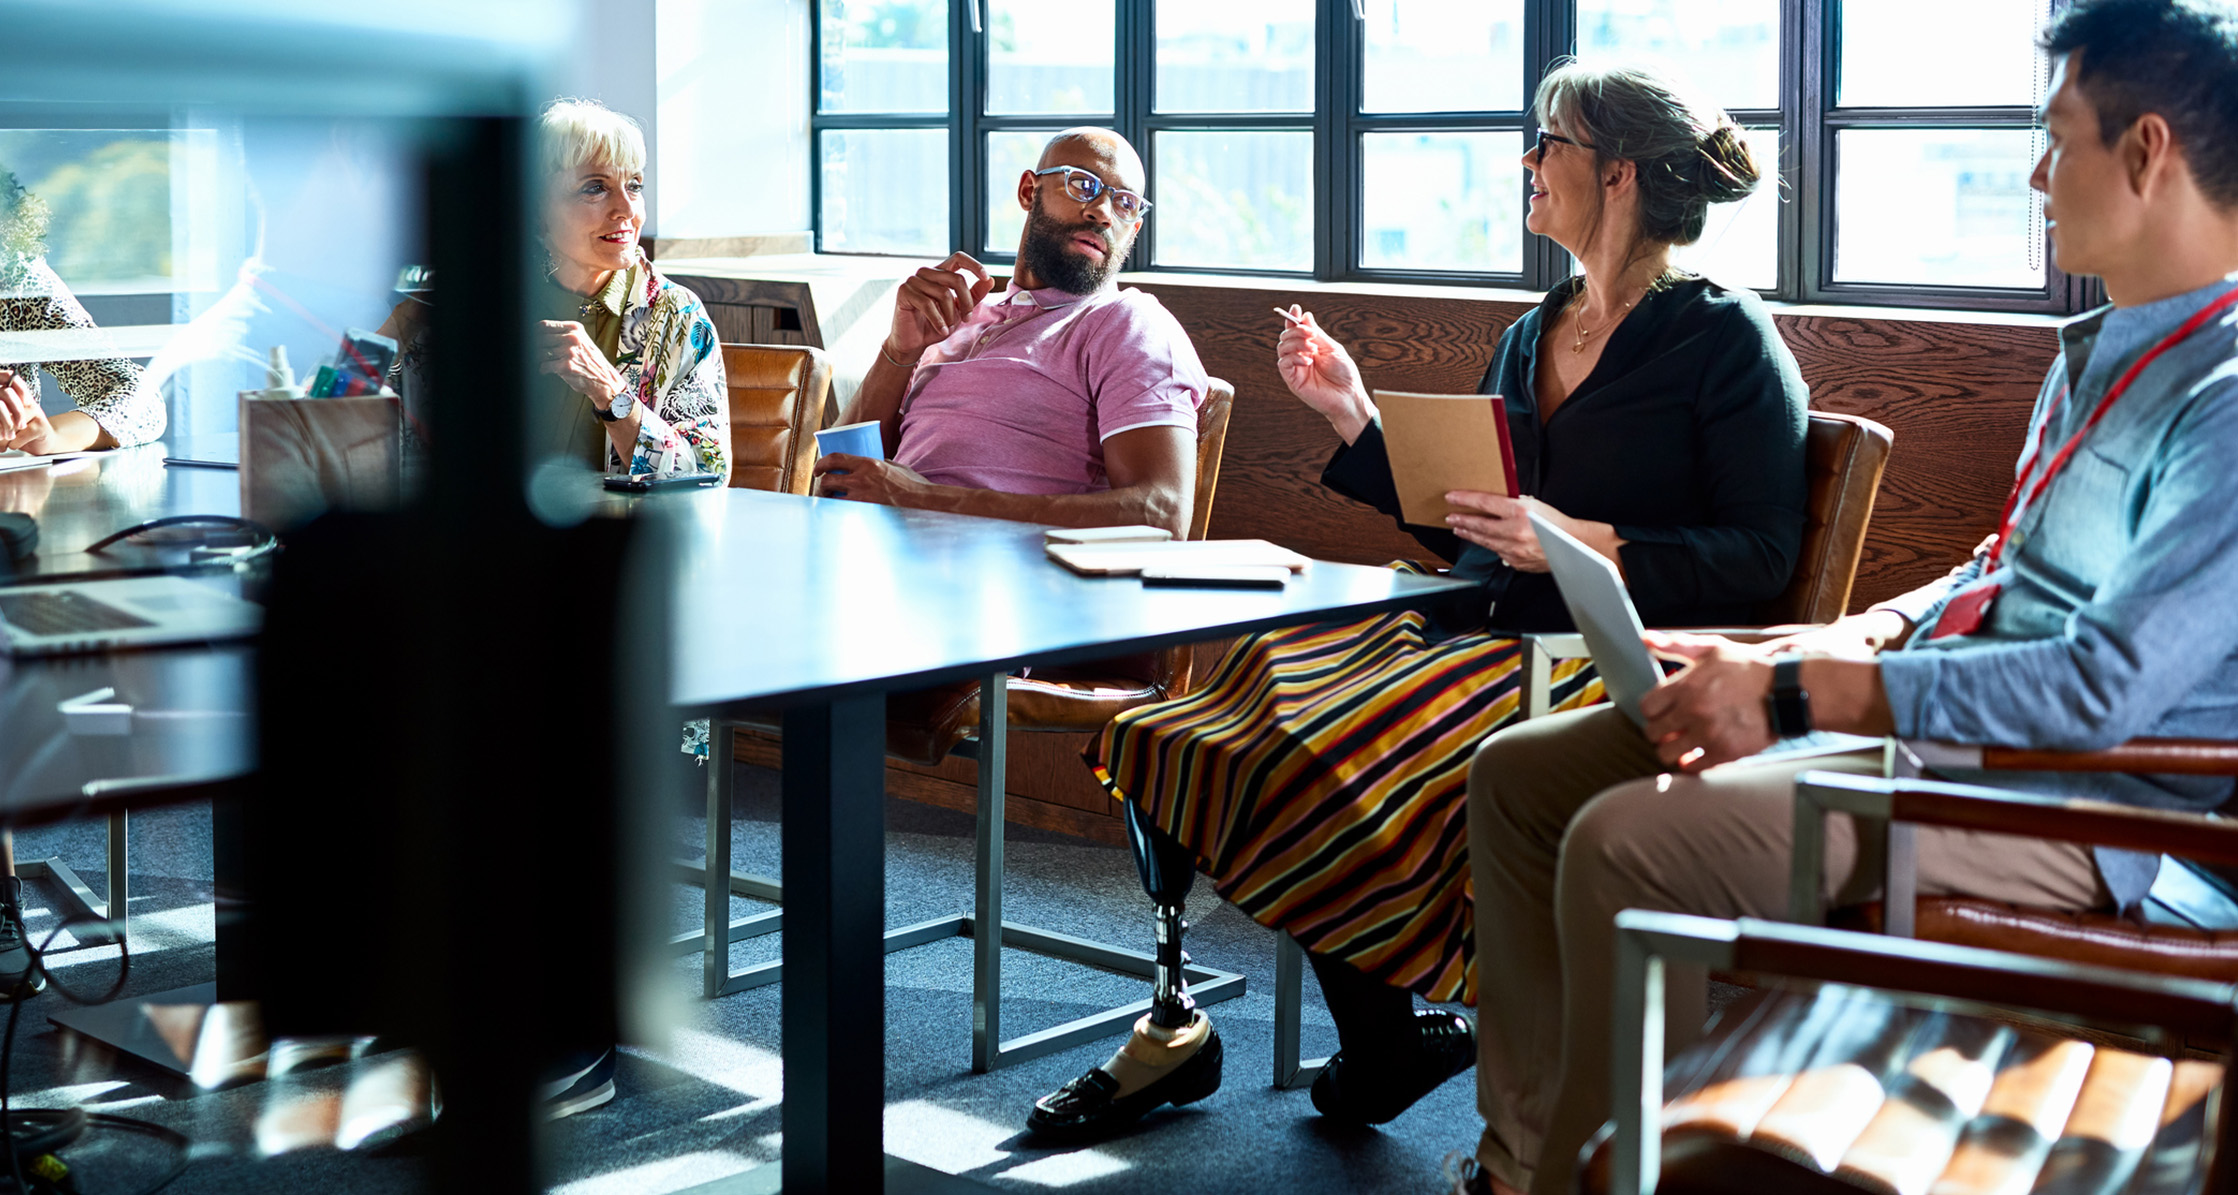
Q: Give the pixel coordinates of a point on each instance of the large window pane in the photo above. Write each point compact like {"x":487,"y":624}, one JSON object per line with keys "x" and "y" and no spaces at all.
{"x":1729,"y":49}
{"x":1049,"y":57}
{"x":1932,"y":53}
{"x":1234,"y":200}
{"x":1235,"y":56}
{"x":884,"y":56}
{"x":1948,"y":207}
{"x":1740,"y":244}
{"x":886,"y":191}
{"x":1443,"y":56}
{"x":1442,"y":201}
{"x":1009,"y":154}
{"x":107,"y":196}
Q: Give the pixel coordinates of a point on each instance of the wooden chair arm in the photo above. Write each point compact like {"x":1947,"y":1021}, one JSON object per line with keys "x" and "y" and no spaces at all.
{"x":2170,"y":1009}
{"x":1894,"y":808}
{"x":1999,"y":811}
{"x":2187,"y":757}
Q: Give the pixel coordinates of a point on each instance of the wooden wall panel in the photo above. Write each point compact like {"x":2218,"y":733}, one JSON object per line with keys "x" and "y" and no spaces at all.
{"x":1270,"y":475}
{"x":1957,"y":395}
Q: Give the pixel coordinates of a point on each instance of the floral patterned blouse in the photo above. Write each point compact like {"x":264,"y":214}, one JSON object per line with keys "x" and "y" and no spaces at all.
{"x":669,"y":362}
{"x":113,"y":392}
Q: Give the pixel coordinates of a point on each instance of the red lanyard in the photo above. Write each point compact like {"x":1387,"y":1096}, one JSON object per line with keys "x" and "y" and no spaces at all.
{"x":2015,"y":509}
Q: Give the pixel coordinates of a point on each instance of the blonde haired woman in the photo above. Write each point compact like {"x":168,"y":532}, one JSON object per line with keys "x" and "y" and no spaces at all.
{"x":636,"y":373}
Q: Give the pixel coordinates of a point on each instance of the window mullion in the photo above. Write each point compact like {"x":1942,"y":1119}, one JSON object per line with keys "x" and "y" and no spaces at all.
{"x":1135,"y":26}
{"x":1336,"y":174}
{"x":1815,"y":168}
{"x":1549,"y":32}
{"x":1786,"y":174}
{"x":967,"y":184}
{"x":816,"y":127}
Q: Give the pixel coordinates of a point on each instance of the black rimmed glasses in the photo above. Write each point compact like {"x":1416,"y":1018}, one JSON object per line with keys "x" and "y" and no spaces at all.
{"x":1084,"y":186}
{"x":1538,"y":152}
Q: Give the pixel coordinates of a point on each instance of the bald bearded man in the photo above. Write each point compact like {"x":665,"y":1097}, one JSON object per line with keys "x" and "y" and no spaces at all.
{"x":1063,"y":400}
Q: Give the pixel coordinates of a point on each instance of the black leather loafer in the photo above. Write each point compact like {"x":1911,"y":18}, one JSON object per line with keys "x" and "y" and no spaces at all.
{"x":1088,"y":1107}
{"x":1375,"y":1091}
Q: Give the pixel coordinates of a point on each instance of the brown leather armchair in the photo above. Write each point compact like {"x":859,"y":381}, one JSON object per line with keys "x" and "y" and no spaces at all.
{"x":1844,"y":456}
{"x":1899,"y":1066}
{"x":1890,"y":809}
{"x":777,"y":395}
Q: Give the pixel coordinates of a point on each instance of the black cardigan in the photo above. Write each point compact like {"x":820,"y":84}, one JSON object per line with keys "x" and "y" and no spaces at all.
{"x":1687,"y":437}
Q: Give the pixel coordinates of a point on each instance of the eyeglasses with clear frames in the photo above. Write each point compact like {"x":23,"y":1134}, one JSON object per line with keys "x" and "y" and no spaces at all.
{"x":1085,"y":187}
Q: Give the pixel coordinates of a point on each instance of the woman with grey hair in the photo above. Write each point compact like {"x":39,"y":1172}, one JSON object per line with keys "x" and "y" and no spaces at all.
{"x":636,"y":373}
{"x":1319,"y":776}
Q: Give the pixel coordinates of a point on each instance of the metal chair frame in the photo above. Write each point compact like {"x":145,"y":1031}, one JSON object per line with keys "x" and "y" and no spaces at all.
{"x":989,"y":1049}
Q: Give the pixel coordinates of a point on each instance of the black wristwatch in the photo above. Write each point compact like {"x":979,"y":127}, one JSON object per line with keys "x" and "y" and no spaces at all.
{"x":1790,"y":705}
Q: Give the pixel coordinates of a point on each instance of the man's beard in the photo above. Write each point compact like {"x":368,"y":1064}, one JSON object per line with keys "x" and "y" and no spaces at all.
{"x":1048,"y":254}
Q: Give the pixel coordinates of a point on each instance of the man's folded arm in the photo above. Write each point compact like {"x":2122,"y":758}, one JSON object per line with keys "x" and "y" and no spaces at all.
{"x":1153,"y":481}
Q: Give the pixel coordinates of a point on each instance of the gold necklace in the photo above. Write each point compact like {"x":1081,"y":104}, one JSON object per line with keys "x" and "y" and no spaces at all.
{"x":1578,"y":318}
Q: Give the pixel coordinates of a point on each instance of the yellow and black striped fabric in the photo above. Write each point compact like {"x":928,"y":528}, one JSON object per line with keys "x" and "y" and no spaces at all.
{"x":1320,"y":777}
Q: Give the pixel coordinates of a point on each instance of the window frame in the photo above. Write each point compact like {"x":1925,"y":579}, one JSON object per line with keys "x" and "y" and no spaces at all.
{"x":1808,"y":122}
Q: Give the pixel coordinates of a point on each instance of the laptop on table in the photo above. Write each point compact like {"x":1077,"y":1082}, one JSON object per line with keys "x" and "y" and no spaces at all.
{"x":68,"y":618}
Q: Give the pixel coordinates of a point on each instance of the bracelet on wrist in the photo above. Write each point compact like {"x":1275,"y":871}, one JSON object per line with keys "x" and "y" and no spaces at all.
{"x":890,"y":358}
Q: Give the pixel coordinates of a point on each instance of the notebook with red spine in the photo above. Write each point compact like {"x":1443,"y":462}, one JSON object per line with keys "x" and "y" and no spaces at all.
{"x":1443,"y":442}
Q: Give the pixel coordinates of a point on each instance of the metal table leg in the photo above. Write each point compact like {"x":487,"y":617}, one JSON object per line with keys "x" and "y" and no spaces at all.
{"x":96,"y":920}
{"x":1290,"y":1070}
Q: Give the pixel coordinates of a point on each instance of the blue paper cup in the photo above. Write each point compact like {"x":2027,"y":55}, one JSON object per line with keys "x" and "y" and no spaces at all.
{"x":855,"y":439}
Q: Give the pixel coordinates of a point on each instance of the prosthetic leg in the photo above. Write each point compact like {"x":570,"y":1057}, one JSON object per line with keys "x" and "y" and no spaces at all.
{"x":1167,"y":875}
{"x":1174,"y":1054}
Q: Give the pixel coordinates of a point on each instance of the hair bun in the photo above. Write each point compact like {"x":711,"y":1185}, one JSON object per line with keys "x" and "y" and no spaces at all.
{"x":1729,"y":169}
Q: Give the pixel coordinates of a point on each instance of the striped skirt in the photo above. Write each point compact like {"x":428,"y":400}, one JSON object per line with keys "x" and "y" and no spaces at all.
{"x":1320,"y":777}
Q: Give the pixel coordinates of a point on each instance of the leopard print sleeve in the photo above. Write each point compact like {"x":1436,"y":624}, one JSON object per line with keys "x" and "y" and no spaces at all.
{"x":114,"y":392}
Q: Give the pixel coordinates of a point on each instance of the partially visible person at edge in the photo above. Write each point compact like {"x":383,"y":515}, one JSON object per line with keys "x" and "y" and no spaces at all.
{"x":635,"y":376}
{"x":1318,"y":777}
{"x":2102,"y":611}
{"x":116,"y":408}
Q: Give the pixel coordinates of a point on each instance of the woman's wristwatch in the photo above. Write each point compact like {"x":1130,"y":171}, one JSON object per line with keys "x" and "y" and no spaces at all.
{"x":1789,"y":702}
{"x":618,"y":409}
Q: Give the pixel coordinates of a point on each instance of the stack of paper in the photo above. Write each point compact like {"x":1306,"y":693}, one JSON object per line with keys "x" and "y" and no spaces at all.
{"x":1128,"y":559}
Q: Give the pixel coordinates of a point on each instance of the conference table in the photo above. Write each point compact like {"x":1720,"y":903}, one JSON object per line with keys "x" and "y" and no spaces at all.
{"x":815,"y":608}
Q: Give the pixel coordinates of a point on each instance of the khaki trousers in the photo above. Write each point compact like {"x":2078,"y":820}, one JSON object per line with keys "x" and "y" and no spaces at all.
{"x":1572,"y":819}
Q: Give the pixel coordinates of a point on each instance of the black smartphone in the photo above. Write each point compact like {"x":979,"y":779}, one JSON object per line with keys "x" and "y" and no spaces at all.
{"x":639,"y":483}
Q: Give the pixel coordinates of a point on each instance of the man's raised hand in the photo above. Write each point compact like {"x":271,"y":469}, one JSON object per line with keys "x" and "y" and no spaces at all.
{"x":932,"y":301}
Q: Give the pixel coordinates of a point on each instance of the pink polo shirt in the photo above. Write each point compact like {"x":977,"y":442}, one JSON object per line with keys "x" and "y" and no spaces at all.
{"x":1022,"y":395}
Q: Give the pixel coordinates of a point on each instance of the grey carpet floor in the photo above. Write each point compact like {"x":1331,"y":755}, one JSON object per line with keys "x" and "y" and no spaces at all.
{"x":705,"y":1104}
